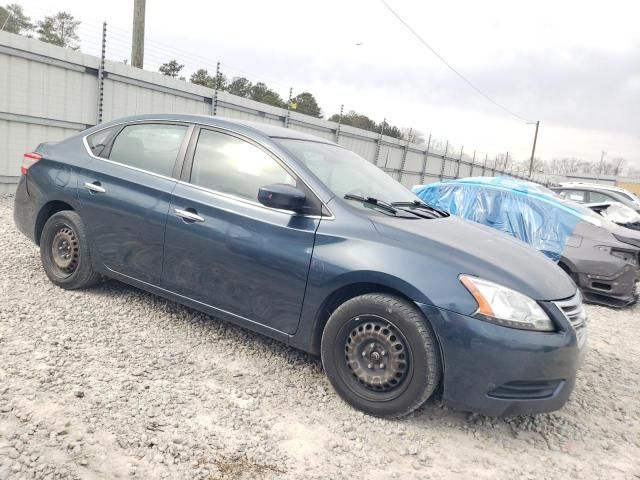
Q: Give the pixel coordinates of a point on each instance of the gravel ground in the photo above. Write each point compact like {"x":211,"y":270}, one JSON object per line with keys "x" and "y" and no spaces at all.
{"x":115,"y":383}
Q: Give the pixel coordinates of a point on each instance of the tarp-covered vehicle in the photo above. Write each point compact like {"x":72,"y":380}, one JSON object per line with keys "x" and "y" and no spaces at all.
{"x":601,"y":257}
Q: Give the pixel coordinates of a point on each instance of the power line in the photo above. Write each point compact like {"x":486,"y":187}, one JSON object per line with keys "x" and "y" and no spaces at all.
{"x":443,"y":60}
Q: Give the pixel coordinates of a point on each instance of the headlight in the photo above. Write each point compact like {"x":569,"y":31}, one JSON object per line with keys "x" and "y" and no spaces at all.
{"x":506,"y":307}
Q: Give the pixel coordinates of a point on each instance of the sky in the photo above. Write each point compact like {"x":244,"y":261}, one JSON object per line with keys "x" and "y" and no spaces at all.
{"x":572,"y":65}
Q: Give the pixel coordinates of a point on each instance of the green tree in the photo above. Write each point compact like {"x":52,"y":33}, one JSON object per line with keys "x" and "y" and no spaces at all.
{"x":171,"y":69}
{"x":202,"y":77}
{"x":261,"y":93}
{"x":13,"y":20}
{"x":240,"y":86}
{"x":60,"y":29}
{"x":358,"y":120}
{"x":306,"y":103}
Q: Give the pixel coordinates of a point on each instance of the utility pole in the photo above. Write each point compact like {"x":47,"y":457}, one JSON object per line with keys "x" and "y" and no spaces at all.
{"x":533,"y":151}
{"x":602,"y":154}
{"x":137,"y":36}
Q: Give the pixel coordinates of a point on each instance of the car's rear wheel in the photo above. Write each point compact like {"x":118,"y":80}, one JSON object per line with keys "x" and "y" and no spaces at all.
{"x":64,"y":251}
{"x":380,"y":355}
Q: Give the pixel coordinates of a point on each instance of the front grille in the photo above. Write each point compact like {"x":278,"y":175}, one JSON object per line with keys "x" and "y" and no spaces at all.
{"x":573,"y":310}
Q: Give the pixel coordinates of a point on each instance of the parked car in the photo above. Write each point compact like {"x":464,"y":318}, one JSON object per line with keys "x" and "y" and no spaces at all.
{"x":597,"y":193}
{"x":601,"y":257}
{"x":304,"y":241}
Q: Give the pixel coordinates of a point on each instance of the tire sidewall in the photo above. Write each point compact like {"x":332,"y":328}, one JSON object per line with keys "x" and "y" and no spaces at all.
{"x":83,"y":271}
{"x":424,"y":368}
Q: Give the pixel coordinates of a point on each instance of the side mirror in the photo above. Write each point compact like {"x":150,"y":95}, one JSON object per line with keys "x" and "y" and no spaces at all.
{"x":281,"y":196}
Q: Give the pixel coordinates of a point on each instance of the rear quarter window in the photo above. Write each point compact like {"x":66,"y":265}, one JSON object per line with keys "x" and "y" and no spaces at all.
{"x":99,"y":140}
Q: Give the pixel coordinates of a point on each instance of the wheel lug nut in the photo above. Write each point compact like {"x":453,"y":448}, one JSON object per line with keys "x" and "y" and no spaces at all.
{"x":381,"y":365}
{"x":383,"y":353}
{"x":370,"y":366}
{"x":372,"y":345}
{"x":364,"y":354}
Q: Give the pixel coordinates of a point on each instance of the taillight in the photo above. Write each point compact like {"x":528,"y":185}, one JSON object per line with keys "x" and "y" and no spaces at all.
{"x":28,"y":160}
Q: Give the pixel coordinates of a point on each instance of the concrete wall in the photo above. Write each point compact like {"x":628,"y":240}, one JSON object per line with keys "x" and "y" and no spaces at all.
{"x":48,"y":93}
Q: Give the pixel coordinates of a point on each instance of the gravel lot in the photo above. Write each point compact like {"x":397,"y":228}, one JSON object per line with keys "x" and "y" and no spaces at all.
{"x":116,"y":383}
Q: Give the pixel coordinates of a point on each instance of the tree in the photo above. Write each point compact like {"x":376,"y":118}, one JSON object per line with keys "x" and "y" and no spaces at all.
{"x":171,"y":69}
{"x":13,"y":20}
{"x":358,"y":120}
{"x":306,"y":103}
{"x":59,"y":29}
{"x":261,"y":93}
{"x":202,"y":77}
{"x":240,"y":86}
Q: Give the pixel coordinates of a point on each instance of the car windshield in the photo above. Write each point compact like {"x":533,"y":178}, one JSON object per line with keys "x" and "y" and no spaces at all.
{"x":345,"y":172}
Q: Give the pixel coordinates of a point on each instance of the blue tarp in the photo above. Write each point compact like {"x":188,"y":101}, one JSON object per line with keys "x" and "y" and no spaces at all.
{"x":525,"y":210}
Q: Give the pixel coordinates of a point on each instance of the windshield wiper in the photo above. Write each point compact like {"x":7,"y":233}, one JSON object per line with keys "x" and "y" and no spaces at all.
{"x":372,"y":201}
{"x":419,"y":204}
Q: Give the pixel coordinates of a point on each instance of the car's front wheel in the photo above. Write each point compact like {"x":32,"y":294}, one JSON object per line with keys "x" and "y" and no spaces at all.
{"x":380,"y":355}
{"x":64,"y":251}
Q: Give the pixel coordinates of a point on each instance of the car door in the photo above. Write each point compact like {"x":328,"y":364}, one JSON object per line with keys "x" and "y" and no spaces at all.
{"x":226,"y":250}
{"x":125,"y":191}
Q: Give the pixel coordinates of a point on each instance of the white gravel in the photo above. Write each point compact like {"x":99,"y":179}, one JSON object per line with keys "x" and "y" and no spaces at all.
{"x":115,"y":383}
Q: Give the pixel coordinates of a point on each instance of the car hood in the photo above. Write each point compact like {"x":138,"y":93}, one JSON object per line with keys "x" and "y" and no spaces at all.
{"x":478,"y":250}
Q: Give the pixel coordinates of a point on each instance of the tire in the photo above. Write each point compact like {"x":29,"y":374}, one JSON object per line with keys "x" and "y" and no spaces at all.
{"x":386,"y":329}
{"x":64,"y":251}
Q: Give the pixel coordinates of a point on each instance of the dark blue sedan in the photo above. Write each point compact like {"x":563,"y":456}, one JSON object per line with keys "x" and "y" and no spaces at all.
{"x":304,"y":241}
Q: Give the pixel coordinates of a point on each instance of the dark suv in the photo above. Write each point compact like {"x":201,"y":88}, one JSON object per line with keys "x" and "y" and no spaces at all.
{"x":304,"y":241}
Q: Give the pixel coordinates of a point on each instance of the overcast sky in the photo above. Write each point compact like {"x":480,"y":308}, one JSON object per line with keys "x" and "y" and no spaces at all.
{"x":573,"y":65}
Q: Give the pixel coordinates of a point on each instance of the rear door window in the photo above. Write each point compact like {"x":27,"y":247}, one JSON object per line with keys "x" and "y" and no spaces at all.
{"x":150,"y":147}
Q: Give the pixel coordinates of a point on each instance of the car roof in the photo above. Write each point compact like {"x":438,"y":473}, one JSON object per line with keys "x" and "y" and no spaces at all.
{"x":244,"y":126}
{"x":592,"y":186}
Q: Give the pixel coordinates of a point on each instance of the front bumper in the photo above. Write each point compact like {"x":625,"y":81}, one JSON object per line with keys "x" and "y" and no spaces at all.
{"x":500,"y":371}
{"x":618,"y":290}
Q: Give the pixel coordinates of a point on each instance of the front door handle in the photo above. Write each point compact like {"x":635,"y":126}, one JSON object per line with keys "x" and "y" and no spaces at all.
{"x":187,"y":215}
{"x":94,"y":187}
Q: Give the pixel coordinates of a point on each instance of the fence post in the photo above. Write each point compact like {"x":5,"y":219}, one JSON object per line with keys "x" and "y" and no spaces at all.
{"x":484,"y":167}
{"x":473,"y":163}
{"x":100,"y":92}
{"x":424,"y":161}
{"x":286,"y":119}
{"x":404,"y":156}
{"x":214,"y":100}
{"x":378,"y":148}
{"x":444,"y":160}
{"x":459,"y":161}
{"x":339,"y":124}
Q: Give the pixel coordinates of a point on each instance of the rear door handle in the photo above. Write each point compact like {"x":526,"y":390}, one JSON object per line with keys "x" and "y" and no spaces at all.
{"x":94,"y":187}
{"x":188,"y":215}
